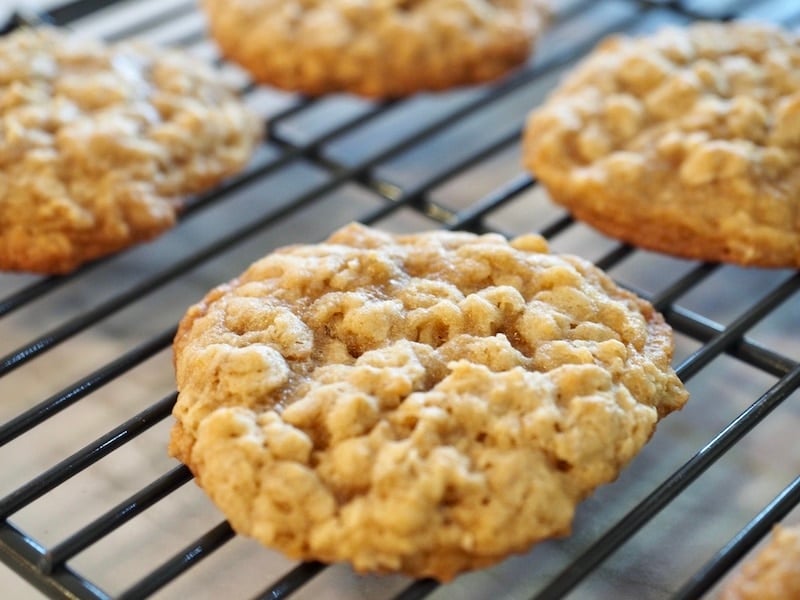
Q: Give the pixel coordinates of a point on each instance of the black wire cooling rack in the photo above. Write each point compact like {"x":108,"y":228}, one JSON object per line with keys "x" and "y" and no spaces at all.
{"x":85,"y":373}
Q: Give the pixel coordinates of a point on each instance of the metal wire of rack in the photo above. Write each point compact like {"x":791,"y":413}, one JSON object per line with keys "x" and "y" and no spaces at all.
{"x":447,"y":161}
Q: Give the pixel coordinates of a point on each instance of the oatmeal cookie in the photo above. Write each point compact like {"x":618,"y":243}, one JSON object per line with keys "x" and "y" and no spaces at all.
{"x":773,"y":573}
{"x":685,"y":142}
{"x":424,"y":403}
{"x":100,"y":143}
{"x":376,"y":48}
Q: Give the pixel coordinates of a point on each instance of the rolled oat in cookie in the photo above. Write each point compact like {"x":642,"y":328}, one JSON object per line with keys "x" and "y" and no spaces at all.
{"x":686,"y":141}
{"x":773,"y":573}
{"x":100,"y":144}
{"x":425,"y":404}
{"x":376,"y":48}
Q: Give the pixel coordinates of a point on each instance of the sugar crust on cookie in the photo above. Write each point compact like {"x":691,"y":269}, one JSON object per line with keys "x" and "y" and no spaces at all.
{"x":99,"y":144}
{"x":773,"y":573}
{"x":686,"y":141}
{"x":380,"y":48}
{"x":425,"y":403}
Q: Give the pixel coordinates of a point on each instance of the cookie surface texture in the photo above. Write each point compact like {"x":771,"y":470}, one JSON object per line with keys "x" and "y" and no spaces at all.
{"x":426,"y":403}
{"x":376,"y":48}
{"x":685,"y":142}
{"x":101,"y":143}
{"x":773,"y":573}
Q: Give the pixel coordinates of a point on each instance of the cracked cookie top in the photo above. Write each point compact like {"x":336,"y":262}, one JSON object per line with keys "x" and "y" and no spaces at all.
{"x":99,"y":144}
{"x":424,"y":403}
{"x":376,"y":48}
{"x":686,"y":141}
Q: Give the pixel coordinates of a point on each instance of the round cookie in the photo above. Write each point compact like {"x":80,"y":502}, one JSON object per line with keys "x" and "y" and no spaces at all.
{"x":424,"y":403}
{"x":376,"y":48}
{"x":773,"y":573}
{"x":685,"y":142}
{"x":99,"y":144}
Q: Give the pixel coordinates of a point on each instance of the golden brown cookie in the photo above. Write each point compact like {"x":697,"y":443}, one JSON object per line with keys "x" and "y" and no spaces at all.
{"x":99,"y":144}
{"x":425,"y":403}
{"x":686,"y":142}
{"x":376,"y":48}
{"x":773,"y":573}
